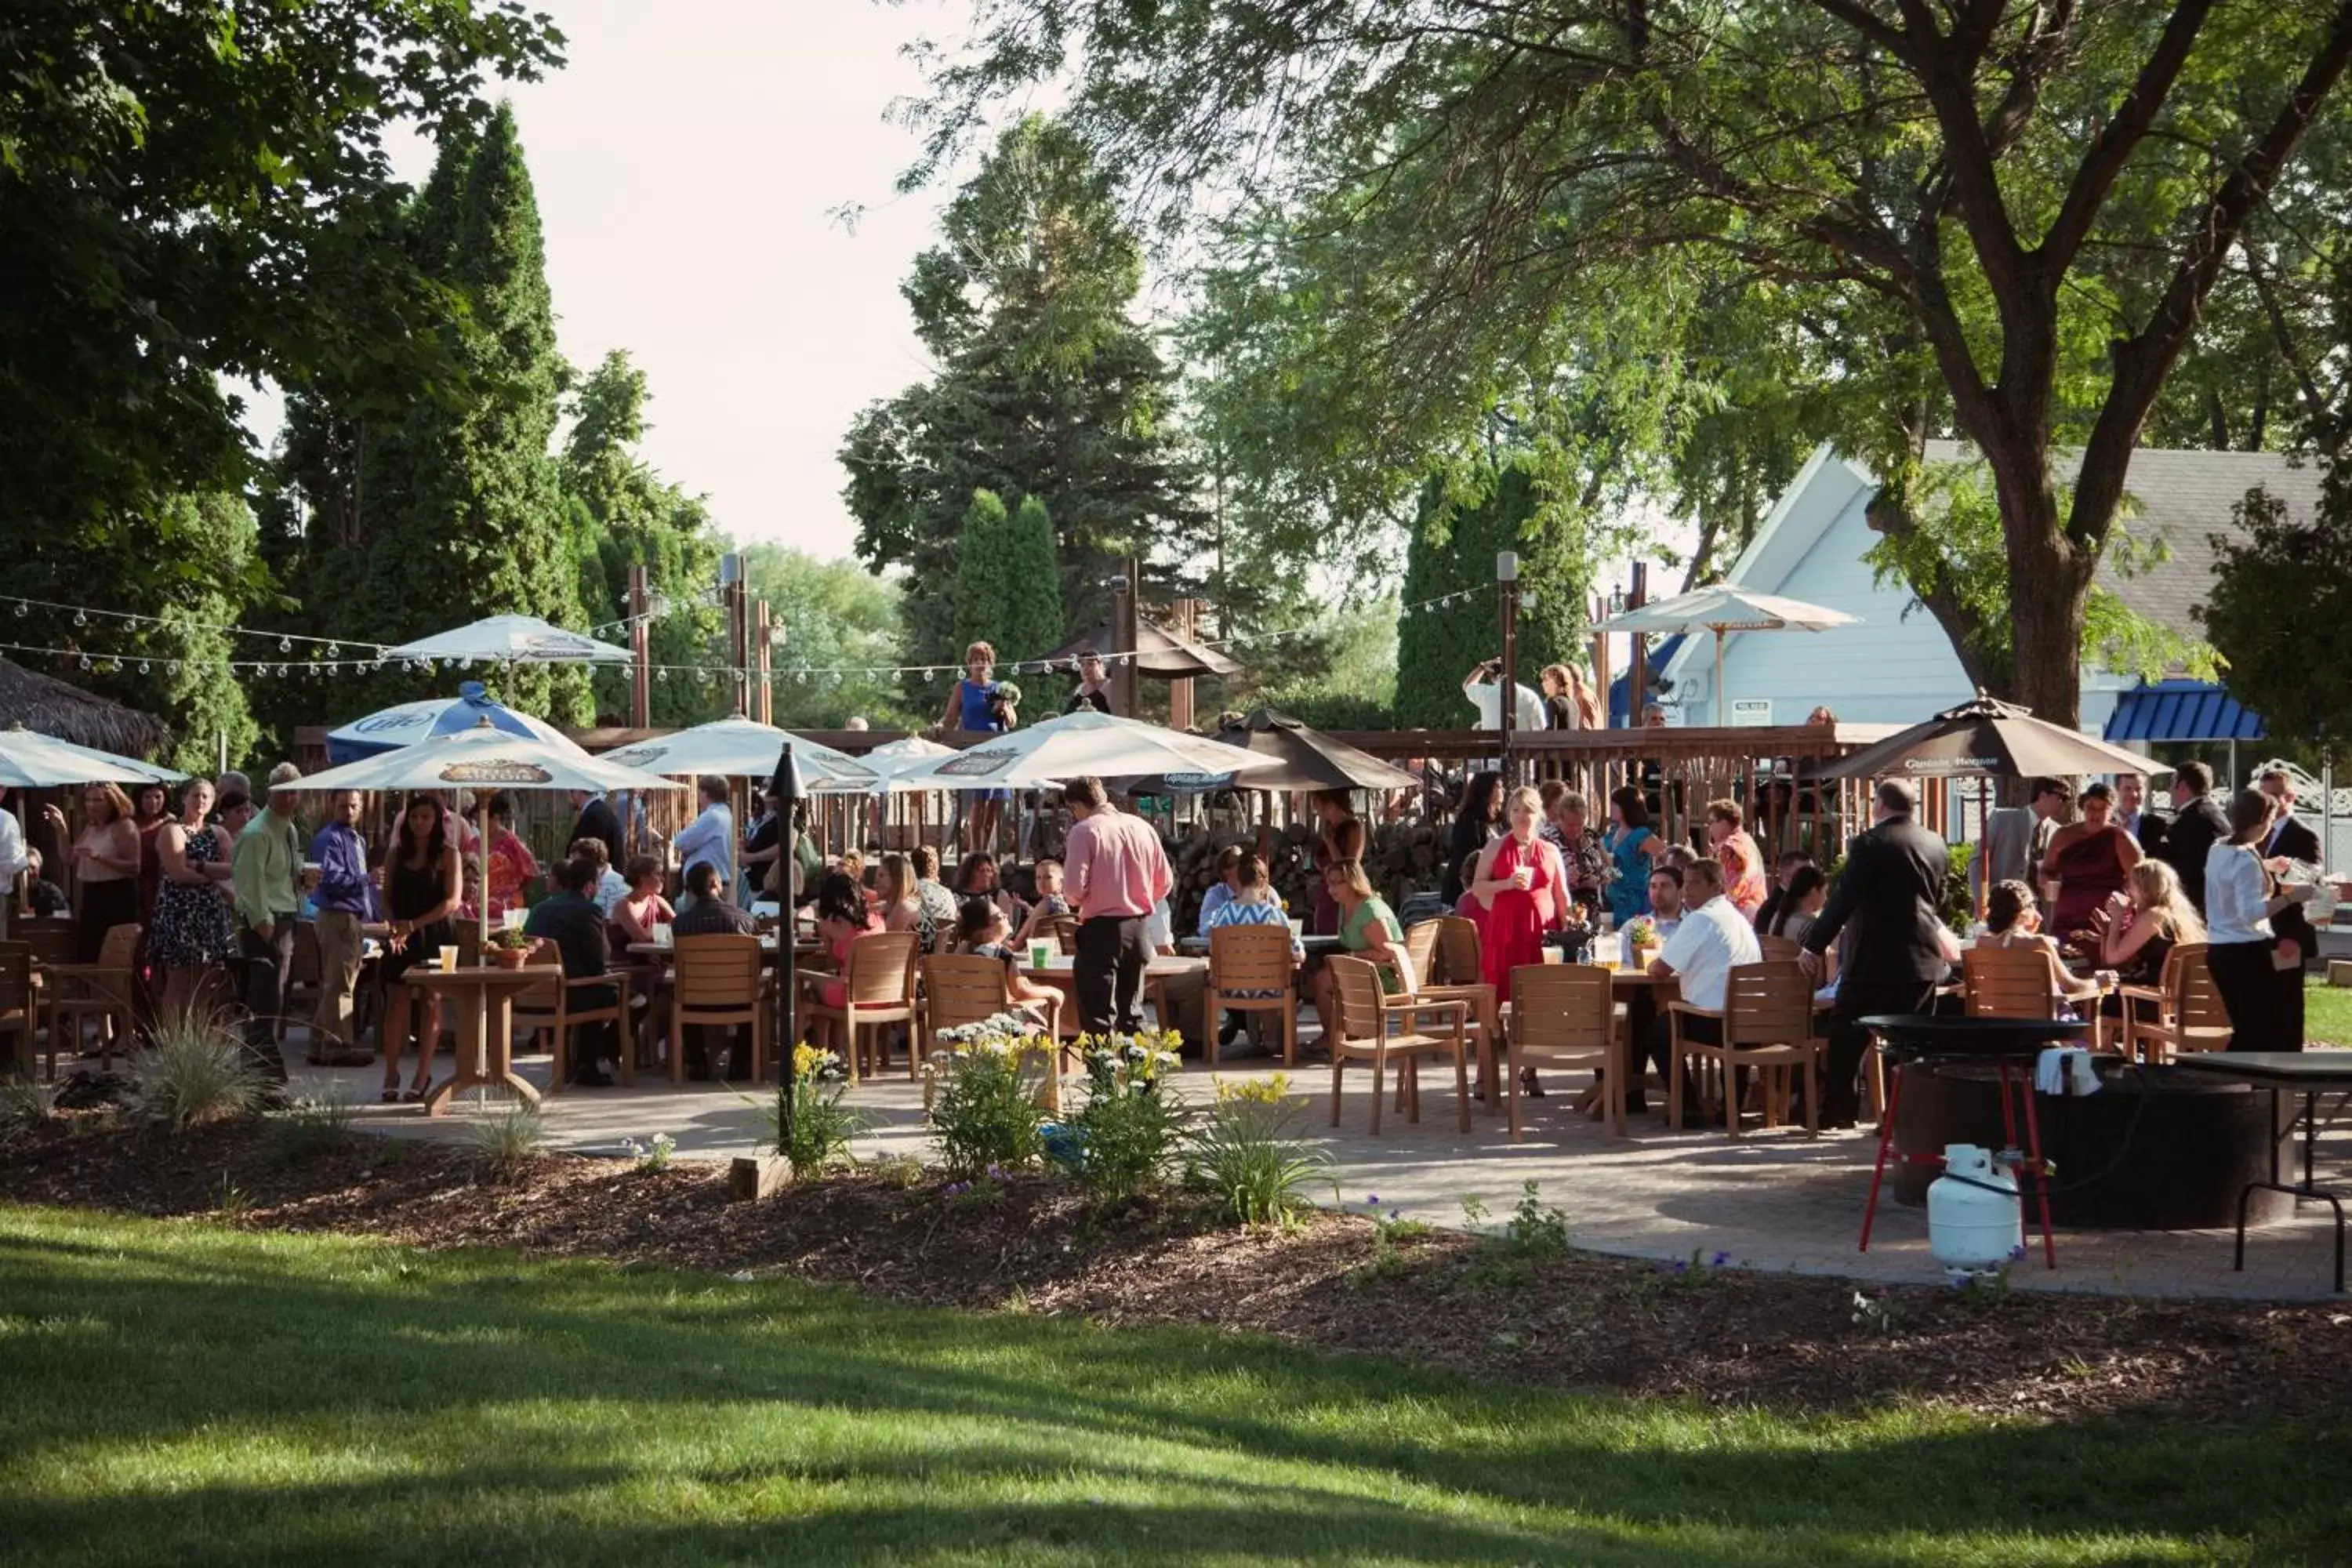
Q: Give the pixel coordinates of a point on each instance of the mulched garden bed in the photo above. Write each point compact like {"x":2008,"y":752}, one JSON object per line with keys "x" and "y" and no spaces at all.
{"x":1719,"y":1336}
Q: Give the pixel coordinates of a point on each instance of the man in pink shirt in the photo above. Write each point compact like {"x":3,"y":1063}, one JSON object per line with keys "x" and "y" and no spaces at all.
{"x":1115,"y":871}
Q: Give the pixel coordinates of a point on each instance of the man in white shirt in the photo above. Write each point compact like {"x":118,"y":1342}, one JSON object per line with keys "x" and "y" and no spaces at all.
{"x":1484,"y":688}
{"x":710,"y":839}
{"x":14,"y":860}
{"x":1712,"y":940}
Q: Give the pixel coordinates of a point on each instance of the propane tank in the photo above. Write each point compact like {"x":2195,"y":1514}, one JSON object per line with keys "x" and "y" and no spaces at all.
{"x":1975,"y":1227}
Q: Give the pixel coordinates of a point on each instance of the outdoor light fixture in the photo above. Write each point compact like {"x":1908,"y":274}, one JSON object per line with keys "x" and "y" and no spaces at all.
{"x":1506,"y":566}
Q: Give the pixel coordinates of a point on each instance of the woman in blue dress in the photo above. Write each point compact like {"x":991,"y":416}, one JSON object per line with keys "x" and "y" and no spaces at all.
{"x":1630,"y":847}
{"x":979,"y":703}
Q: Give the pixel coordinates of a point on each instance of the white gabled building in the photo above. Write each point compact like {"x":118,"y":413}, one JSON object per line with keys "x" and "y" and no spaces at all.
{"x":1898,"y":668}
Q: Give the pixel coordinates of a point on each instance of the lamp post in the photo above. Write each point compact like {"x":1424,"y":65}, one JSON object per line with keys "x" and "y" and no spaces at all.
{"x":1506,"y":592}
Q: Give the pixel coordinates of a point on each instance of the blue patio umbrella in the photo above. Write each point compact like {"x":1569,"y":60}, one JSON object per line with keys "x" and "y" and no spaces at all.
{"x":406,"y":723}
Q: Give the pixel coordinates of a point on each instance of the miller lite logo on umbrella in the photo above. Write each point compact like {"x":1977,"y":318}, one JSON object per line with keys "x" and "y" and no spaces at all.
{"x":493,"y":770}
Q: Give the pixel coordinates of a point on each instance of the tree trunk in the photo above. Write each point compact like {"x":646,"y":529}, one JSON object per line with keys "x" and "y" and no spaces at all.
{"x":2049,"y":582}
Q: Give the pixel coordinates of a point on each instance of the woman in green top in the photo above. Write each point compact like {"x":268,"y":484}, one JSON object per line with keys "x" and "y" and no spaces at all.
{"x":1368,"y":928}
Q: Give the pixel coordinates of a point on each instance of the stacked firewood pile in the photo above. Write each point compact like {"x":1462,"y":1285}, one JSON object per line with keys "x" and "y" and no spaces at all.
{"x":1405,"y":856}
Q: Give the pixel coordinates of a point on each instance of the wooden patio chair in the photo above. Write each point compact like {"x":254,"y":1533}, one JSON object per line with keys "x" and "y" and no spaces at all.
{"x":554,"y":1006}
{"x":1779,"y":948}
{"x":1767,"y":1024}
{"x":965,"y":988}
{"x":2018,"y":982}
{"x":51,"y":940}
{"x":2183,"y":1010}
{"x":1062,"y":930}
{"x":1374,"y":1027}
{"x":1251,"y":971}
{"x":104,"y":991}
{"x":19,"y":1006}
{"x":720,"y":980}
{"x":1448,"y":964}
{"x":1564,"y":1016}
{"x":879,"y":989}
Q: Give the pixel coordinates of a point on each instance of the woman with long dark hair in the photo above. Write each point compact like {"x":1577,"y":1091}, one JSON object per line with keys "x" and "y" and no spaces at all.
{"x":1630,"y":846}
{"x":422,"y":886}
{"x":1479,"y":819}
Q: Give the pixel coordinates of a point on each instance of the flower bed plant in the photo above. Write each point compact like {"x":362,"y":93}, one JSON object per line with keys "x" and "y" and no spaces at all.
{"x":985,"y":1078}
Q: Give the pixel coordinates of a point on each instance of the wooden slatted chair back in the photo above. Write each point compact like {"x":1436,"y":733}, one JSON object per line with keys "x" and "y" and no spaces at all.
{"x":881,"y":970}
{"x":1062,"y":930}
{"x":1356,"y":988}
{"x":1420,"y":947}
{"x":15,"y":978}
{"x":2196,"y":1002}
{"x":1250,"y":958}
{"x":52,"y":941}
{"x":2009,"y":982}
{"x":120,"y":948}
{"x":1769,"y":1003}
{"x":1779,"y":948}
{"x":718,"y":972}
{"x":962,"y":988}
{"x":1459,"y":960}
{"x":1562,"y":1007}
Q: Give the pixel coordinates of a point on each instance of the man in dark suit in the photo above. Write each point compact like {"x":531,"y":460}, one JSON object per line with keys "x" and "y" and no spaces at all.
{"x":2290,"y":839}
{"x":1892,"y":889}
{"x":597,"y":821}
{"x":2197,"y":826}
{"x":2133,"y":818}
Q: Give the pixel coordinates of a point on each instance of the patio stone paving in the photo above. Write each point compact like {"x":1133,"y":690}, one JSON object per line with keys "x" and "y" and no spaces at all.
{"x":1774,"y":1201}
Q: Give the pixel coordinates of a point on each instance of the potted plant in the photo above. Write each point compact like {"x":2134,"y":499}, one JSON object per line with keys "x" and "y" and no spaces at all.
{"x":509,"y":949}
{"x":1642,"y":935}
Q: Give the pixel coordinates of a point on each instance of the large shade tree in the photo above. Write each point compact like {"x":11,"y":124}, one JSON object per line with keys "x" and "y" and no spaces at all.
{"x":1046,"y":385}
{"x":1999,"y":219}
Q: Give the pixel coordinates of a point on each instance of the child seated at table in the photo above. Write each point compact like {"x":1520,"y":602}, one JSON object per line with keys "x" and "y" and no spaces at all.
{"x":983,"y":931}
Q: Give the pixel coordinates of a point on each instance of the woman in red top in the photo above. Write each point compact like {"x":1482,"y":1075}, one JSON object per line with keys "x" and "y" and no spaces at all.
{"x":1744,"y":880}
{"x":1523,"y":885}
{"x":511,"y":865}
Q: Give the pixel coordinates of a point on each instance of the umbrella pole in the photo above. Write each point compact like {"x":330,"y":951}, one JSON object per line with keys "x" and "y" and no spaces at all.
{"x":1720,"y":720}
{"x":481,"y":994}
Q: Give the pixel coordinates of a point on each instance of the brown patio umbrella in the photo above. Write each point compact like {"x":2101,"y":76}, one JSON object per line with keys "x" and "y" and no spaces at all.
{"x":1161,"y":654}
{"x":1304,"y":759}
{"x":1985,"y":739}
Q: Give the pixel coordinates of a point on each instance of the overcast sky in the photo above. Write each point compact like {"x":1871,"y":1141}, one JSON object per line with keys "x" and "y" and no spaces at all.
{"x":689,"y":162}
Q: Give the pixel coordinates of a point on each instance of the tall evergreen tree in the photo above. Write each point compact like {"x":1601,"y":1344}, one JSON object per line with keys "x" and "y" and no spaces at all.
{"x":429,"y":506}
{"x":623,"y":514}
{"x":984,"y":584}
{"x":1453,"y":548}
{"x":1045,"y":387}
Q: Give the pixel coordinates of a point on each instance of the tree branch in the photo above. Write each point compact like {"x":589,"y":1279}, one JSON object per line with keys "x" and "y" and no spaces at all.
{"x":2142,"y":362}
{"x":2104,"y":164}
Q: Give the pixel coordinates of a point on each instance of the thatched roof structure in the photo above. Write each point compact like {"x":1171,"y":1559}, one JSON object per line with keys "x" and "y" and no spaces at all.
{"x":51,"y":707}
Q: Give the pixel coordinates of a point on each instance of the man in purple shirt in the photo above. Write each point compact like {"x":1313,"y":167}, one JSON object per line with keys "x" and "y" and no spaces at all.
{"x":341,"y":893}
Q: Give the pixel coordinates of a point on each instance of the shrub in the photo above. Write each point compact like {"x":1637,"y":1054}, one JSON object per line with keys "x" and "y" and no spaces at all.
{"x":506,"y":1143}
{"x":193,"y":1071}
{"x":1244,"y":1153}
{"x":25,"y":1104}
{"x":810,"y":1126}
{"x":313,"y":1126}
{"x":984,"y":1108}
{"x":1127,"y":1129}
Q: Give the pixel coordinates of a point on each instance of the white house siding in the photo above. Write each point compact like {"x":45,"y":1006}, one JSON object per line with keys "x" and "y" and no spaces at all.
{"x":1896,"y":667}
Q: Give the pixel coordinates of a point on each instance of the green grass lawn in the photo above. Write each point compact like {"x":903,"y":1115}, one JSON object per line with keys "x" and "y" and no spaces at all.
{"x":2327,"y":1014}
{"x":184,"y":1393}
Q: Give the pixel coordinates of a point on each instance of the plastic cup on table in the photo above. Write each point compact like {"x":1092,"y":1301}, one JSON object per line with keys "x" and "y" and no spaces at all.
{"x":665,"y":935}
{"x":448,"y":958}
{"x":1039,"y":952}
{"x":1297,"y":929}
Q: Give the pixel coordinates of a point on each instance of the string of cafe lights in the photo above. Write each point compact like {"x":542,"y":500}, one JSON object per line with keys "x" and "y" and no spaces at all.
{"x":326,"y":656}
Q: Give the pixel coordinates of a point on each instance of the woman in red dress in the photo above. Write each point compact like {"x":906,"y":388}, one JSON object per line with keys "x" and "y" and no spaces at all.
{"x":1523,"y":886}
{"x":2091,"y":862}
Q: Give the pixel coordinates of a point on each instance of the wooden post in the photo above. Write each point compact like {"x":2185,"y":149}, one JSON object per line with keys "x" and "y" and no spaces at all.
{"x":1506,"y":590}
{"x":1601,"y":657}
{"x":641,"y":690}
{"x":1637,"y":668}
{"x":1124,"y":636}
{"x":738,"y":644}
{"x":763,"y":661}
{"x":1185,"y":614}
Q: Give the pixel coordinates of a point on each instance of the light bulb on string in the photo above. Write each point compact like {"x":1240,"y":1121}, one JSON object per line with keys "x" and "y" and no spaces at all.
{"x":142,"y":666}
{"x":80,"y":619}
{"x":285,"y":644}
{"x":85,"y":661}
{"x":23,"y":609}
{"x":662,"y":674}
{"x":334,"y":650}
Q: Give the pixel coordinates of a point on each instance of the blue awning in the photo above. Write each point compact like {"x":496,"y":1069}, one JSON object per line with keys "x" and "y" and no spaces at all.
{"x":2181,"y":709}
{"x":1620,"y":690}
